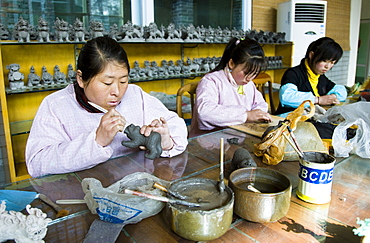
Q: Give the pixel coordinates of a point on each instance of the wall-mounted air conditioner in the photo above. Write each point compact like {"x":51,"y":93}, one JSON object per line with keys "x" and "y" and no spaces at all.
{"x":303,"y":22}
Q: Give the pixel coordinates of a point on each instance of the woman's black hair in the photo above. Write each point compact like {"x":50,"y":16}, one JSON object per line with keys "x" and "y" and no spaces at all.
{"x":324,"y":49}
{"x":243,"y":51}
{"x":95,"y":55}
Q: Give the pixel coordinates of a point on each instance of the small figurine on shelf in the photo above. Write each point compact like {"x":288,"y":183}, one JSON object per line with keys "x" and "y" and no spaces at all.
{"x":132,"y":32}
{"x":154,"y":34}
{"x":79,"y":30}
{"x":4,"y":33}
{"x":15,"y":77}
{"x":218,"y":34}
{"x":226,"y":35}
{"x":59,"y":77}
{"x":154,"y":67}
{"x":61,"y":30}
{"x":147,"y":69}
{"x":22,"y":30}
{"x":210,"y":35}
{"x":173,"y":34}
{"x":43,"y":30}
{"x":96,"y":29}
{"x":33,"y":78}
{"x":71,"y":74}
{"x":46,"y":78}
{"x":193,"y":66}
{"x":163,"y":69}
{"x":113,"y":33}
{"x":192,"y":34}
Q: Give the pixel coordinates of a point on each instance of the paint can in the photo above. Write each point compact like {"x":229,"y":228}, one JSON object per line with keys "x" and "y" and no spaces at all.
{"x":315,"y":177}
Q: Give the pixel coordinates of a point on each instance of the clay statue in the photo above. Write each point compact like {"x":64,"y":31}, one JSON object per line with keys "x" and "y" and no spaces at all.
{"x":43,"y":30}
{"x":33,"y":79}
{"x":152,"y":142}
{"x":23,"y":228}
{"x":154,"y":33}
{"x":59,"y":77}
{"x":61,"y":30}
{"x":46,"y":78}
{"x":71,"y":74}
{"x":132,"y":32}
{"x":242,"y":158}
{"x":173,"y":34}
{"x":15,"y":77}
{"x":79,"y":30}
{"x":4,"y":33}
{"x":22,"y":30}
{"x":96,"y":29}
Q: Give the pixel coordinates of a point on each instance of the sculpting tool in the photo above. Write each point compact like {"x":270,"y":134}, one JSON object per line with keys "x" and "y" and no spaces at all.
{"x":253,"y":189}
{"x":295,"y":141}
{"x":161,"y":198}
{"x":98,"y":107}
{"x":222,"y":182}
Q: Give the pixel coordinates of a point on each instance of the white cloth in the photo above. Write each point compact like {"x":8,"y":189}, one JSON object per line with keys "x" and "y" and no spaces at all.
{"x":62,"y":137}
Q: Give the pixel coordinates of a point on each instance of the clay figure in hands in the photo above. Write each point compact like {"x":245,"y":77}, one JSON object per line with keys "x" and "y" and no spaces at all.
{"x":152,"y":142}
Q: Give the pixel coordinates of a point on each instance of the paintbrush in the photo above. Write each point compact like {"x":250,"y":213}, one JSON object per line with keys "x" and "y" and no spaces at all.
{"x":162,"y":188}
{"x":161,"y":198}
{"x":222,"y":182}
{"x":61,"y":212}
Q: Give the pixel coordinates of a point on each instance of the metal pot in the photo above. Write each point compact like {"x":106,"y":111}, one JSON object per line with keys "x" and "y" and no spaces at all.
{"x":207,"y":222}
{"x":271,"y":204}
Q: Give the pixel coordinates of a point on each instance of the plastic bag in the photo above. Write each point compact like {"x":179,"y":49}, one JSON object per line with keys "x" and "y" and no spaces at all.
{"x":359,"y":144}
{"x":112,"y":205}
{"x":356,"y":114}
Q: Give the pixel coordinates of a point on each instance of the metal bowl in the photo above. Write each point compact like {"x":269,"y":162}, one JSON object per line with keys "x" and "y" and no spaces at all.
{"x":205,"y":222}
{"x":268,"y":206}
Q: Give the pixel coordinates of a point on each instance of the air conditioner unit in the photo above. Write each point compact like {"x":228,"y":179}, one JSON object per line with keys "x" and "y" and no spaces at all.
{"x":303,"y":22}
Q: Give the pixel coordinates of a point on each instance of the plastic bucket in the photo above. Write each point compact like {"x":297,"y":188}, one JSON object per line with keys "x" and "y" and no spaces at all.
{"x":315,"y":177}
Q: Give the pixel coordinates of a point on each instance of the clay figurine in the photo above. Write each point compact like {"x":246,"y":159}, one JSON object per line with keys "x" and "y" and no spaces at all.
{"x":43,"y":30}
{"x":79,"y":30}
{"x":4,"y":33}
{"x":96,"y":29}
{"x":61,"y":30}
{"x":15,"y":77}
{"x":22,"y":30}
{"x":154,"y":33}
{"x":23,"y":228}
{"x":152,"y":142}
{"x":46,"y":78}
{"x":242,"y":158}
{"x":174,"y":34}
{"x":33,"y":79}
{"x":132,"y":32}
{"x":71,"y":74}
{"x":59,"y":77}
{"x":192,"y":34}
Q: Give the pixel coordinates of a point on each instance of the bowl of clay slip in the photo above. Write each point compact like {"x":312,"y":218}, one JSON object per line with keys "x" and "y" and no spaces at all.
{"x":208,"y":221}
{"x":271,"y":199}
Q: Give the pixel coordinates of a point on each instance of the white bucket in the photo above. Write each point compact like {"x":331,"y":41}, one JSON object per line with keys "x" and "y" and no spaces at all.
{"x":315,"y":177}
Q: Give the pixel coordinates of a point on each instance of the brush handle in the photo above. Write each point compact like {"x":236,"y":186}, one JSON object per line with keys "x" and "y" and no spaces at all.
{"x":143,"y":194}
{"x":50,"y":203}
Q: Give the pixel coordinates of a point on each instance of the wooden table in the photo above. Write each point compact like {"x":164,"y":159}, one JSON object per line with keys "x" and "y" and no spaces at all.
{"x":305,"y":222}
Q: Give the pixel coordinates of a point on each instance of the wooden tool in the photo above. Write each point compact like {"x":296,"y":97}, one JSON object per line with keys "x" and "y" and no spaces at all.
{"x":221,"y":184}
{"x":162,"y":188}
{"x":61,"y":212}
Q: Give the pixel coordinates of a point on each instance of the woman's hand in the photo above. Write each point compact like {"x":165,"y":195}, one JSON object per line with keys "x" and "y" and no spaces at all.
{"x":161,"y":127}
{"x":328,"y":100}
{"x":110,"y":124}
{"x":258,"y":116}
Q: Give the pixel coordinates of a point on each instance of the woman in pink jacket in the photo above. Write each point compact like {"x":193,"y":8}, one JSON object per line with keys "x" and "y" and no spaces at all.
{"x":227,"y":95}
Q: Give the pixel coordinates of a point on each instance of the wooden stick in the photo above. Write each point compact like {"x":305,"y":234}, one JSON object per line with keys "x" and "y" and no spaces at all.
{"x":98,"y":107}
{"x":253,"y":189}
{"x":70,"y":201}
{"x":222,"y":183}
